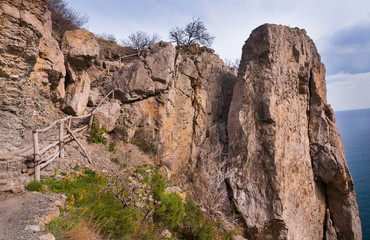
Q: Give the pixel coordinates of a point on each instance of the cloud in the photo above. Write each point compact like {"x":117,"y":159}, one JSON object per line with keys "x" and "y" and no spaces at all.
{"x":349,"y":91}
{"x":348,"y":50}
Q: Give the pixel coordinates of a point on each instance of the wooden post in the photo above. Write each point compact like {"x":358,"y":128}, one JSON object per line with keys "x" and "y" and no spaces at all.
{"x":91,"y":120}
{"x":36,"y":155}
{"x":61,"y":139}
{"x":113,"y":94}
{"x":78,"y":142}
{"x":69,"y":123}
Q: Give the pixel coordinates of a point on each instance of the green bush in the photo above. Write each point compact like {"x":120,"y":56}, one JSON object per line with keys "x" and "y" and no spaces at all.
{"x":112,"y":147}
{"x":97,"y":134}
{"x":115,"y":160}
{"x":34,"y":186}
{"x":171,"y":210}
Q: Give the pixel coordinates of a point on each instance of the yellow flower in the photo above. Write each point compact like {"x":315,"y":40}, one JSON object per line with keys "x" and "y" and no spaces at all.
{"x":83,"y":171}
{"x":72,"y":199}
{"x":81,"y":197}
{"x":69,"y":208}
{"x":56,"y":171}
{"x":68,"y":178}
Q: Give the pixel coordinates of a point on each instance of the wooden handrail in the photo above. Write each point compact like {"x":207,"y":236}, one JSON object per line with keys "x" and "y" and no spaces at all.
{"x":62,"y":138}
{"x":100,"y":103}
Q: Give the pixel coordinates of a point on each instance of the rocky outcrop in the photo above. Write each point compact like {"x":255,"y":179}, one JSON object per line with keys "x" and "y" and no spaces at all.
{"x":107,"y":115}
{"x":144,"y":77}
{"x":190,"y":95}
{"x":81,"y":49}
{"x":288,"y":173}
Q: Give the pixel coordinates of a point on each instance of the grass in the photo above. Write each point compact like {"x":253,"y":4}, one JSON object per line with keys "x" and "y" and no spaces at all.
{"x":97,"y":134}
{"x":93,"y":207}
{"x":34,"y":186}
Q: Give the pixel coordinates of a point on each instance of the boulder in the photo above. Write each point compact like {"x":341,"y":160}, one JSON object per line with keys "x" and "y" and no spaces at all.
{"x":145,"y":77}
{"x":286,"y":163}
{"x":132,"y":82}
{"x":107,"y":114}
{"x":94,"y":98}
{"x":80,"y":49}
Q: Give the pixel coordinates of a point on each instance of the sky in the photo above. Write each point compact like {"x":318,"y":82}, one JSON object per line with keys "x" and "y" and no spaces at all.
{"x":339,"y":28}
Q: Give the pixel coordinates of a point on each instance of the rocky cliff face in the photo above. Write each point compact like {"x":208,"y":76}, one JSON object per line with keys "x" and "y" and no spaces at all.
{"x":31,"y":71}
{"x":268,"y":132}
{"x":289,"y":177}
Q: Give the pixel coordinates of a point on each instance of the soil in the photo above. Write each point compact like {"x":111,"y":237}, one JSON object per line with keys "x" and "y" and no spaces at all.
{"x":27,"y":208}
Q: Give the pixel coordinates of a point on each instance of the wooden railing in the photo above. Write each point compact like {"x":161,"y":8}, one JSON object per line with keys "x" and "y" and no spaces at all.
{"x":64,"y":123}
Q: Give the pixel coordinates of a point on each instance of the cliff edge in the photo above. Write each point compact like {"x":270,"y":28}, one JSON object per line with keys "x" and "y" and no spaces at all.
{"x":289,"y":176}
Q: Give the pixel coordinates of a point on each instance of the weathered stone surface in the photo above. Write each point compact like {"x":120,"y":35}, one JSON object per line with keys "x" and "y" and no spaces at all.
{"x":146,"y":77}
{"x":31,"y":69}
{"x":80,"y":46}
{"x":132,"y":82}
{"x":177,"y":119}
{"x":107,"y":114}
{"x":160,"y":59}
{"x":94,"y":98}
{"x":80,"y":49}
{"x":287,"y":165}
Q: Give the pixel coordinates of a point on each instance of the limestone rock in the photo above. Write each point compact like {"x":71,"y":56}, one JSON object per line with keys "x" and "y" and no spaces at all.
{"x":132,"y":82}
{"x":160,"y":59}
{"x":287,"y":165}
{"x":107,"y":114}
{"x":94,"y":98}
{"x":80,"y":46}
{"x":146,"y":77}
{"x":31,"y":71}
{"x":80,"y":49}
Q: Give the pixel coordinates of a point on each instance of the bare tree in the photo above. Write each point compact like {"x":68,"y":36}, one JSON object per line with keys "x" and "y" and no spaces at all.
{"x":194,"y":32}
{"x":65,"y":18}
{"x":140,"y":40}
{"x":107,"y":36}
{"x":230,"y":64}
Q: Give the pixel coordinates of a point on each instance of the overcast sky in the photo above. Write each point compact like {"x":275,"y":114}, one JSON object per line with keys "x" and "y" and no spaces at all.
{"x":340,"y":29}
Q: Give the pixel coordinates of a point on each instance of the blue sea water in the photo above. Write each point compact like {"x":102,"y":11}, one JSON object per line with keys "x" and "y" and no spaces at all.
{"x":354,"y":126}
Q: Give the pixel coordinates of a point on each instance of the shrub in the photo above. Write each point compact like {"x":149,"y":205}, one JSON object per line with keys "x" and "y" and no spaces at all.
{"x":115,"y":160}
{"x":97,"y":134}
{"x":34,"y":186}
{"x":171,"y":211}
{"x":65,"y":18}
{"x":112,"y":147}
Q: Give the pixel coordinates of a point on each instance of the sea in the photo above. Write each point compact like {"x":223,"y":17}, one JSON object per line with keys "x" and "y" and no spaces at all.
{"x":354,"y":127}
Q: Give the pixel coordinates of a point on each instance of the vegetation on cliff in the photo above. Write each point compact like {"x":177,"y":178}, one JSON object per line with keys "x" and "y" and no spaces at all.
{"x":133,"y":204}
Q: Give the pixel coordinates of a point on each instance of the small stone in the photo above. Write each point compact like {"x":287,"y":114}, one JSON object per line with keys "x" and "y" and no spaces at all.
{"x":47,"y":236}
{"x":166,"y":234}
{"x":34,"y":228}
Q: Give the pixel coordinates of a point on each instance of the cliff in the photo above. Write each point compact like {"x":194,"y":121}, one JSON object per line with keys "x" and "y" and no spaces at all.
{"x":263,"y":142}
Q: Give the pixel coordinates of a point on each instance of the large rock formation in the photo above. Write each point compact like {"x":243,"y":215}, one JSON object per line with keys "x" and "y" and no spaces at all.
{"x":81,"y":49}
{"x":269,"y":132}
{"x":288,"y":173}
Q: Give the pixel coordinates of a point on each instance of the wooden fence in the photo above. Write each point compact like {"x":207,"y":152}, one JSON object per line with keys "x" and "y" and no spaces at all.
{"x":64,"y":124}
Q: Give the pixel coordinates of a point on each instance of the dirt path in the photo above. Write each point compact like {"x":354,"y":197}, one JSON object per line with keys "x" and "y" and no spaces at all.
{"x":21,"y":215}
